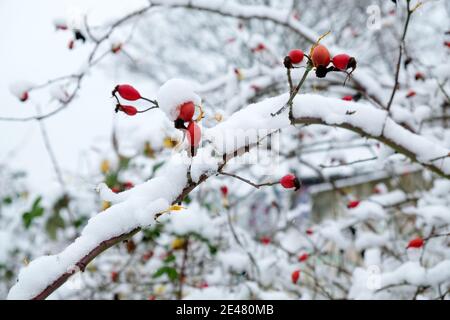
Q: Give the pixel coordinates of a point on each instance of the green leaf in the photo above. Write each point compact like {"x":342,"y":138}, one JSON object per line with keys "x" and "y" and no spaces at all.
{"x":35,"y":211}
{"x":172,"y":273}
{"x":169,"y":259}
{"x":7,"y":200}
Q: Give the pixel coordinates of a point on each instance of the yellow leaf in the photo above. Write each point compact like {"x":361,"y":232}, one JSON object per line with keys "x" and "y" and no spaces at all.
{"x":104,"y":166}
{"x":176,"y":207}
{"x":105,"y":205}
{"x":169,"y":143}
{"x":178,"y":243}
{"x":148,"y":150}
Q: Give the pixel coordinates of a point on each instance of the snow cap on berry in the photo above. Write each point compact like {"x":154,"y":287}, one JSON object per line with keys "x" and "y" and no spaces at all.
{"x":21,"y":90}
{"x":173,"y":94}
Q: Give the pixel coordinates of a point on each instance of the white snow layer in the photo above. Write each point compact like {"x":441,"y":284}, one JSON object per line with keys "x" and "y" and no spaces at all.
{"x":172,"y":94}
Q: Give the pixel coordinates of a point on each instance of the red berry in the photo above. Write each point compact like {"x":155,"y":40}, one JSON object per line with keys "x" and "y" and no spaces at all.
{"x":127,"y":92}
{"x":303,"y":257}
{"x":410,"y":94}
{"x":353,"y":204}
{"x":115,"y":190}
{"x":259,"y":47}
{"x":129,"y":110}
{"x":419,"y":76}
{"x":71,"y":44}
{"x":114,"y":276}
{"x":203,"y":285}
{"x":347,"y":98}
{"x":296,"y":56}
{"x":295,"y":276}
{"x":415,"y":243}
{"x":24,"y":96}
{"x":187,"y":110}
{"x":320,"y":56}
{"x":147,"y":256}
{"x":224,"y":190}
{"x":194,"y":134}
{"x":447,"y":44}
{"x":265,"y":240}
{"x":309,"y":232}
{"x":341,"y":61}
{"x":290,"y":181}
{"x":61,"y":27}
{"x":116,"y":48}
{"x":128,"y":185}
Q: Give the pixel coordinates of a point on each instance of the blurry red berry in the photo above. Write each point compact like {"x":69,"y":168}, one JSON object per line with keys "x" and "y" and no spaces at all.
{"x":320,"y":56}
{"x":114,"y":276}
{"x":116,"y":48}
{"x":24,"y":96}
{"x":296,"y":56}
{"x":115,"y":190}
{"x":151,"y":297}
{"x":303,"y":257}
{"x":147,"y":256}
{"x":194,"y":134}
{"x":415,"y":243}
{"x":353,"y":204}
{"x":203,"y":285}
{"x":129,"y":110}
{"x":71,"y":44}
{"x":419,"y":76}
{"x":309,"y":232}
{"x":347,"y":98}
{"x":447,"y":44}
{"x":290,"y":181}
{"x":341,"y":61}
{"x":128,"y":185}
{"x":127,"y":92}
{"x":187,"y":110}
{"x":265,"y":240}
{"x":410,"y":94}
{"x":224,"y":190}
{"x":259,"y":47}
{"x":295,"y":276}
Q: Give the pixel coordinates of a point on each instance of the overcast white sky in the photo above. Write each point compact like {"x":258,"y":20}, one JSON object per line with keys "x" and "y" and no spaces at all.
{"x":32,"y":50}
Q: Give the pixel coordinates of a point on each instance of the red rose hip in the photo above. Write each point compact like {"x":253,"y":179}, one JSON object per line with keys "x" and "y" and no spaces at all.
{"x":296,"y":56}
{"x":295,"y":276}
{"x":129,"y":110}
{"x":320,"y":56}
{"x":415,"y":243}
{"x":127,"y":92}
{"x":341,"y":61}
{"x":290,"y":181}
{"x":194,"y":134}
{"x":187,"y":111}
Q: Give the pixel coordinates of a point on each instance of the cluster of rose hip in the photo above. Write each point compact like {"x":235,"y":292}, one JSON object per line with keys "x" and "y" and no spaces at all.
{"x":320,"y":58}
{"x":186,"y":111}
